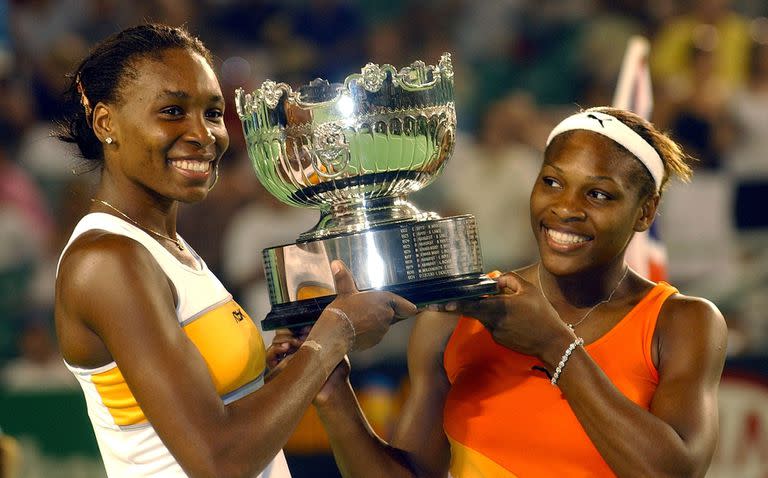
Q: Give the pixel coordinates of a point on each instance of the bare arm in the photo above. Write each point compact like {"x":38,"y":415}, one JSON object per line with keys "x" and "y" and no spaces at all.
{"x":678,"y":436}
{"x":419,"y":446}
{"x":112,"y":287}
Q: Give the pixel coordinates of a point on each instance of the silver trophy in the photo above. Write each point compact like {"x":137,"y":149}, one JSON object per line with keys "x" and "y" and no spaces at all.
{"x":354,"y":151}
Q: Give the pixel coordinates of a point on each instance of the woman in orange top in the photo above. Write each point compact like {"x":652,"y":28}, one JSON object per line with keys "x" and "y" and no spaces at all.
{"x":579,"y":366}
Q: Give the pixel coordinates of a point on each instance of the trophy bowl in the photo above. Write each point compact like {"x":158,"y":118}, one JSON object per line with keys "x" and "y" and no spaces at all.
{"x":354,"y":151}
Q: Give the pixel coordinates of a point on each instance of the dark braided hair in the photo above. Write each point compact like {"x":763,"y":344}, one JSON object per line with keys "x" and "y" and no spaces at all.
{"x":101,"y":76}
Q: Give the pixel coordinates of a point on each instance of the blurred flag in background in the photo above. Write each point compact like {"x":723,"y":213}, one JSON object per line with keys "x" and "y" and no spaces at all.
{"x":646,"y":253}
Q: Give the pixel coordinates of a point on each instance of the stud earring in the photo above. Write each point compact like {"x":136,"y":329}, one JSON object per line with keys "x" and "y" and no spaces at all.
{"x":108,"y":140}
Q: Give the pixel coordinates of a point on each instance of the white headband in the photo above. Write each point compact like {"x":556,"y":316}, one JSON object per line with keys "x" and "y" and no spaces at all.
{"x":611,"y":127}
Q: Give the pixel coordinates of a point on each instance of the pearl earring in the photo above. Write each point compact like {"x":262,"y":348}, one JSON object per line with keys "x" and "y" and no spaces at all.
{"x":108,"y":140}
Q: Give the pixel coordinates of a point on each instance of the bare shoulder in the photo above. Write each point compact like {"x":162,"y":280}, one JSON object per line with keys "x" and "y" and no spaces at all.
{"x":692,"y":334}
{"x":100,"y":266}
{"x":684,"y":312}
{"x":102,"y":259}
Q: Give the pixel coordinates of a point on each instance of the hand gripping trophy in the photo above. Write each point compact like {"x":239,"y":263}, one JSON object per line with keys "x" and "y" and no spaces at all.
{"x":354,"y":151}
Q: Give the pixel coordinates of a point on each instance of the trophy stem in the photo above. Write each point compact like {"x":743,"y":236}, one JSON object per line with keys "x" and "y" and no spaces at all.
{"x":360,"y":213}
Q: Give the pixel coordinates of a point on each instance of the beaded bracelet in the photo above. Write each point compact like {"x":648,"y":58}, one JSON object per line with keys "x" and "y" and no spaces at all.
{"x":564,"y":359}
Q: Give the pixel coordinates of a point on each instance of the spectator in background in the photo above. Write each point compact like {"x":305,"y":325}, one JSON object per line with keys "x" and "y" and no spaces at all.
{"x":492,"y":179}
{"x":39,"y":366}
{"x":334,"y":29}
{"x":25,"y":229}
{"x":21,"y":197}
{"x":245,"y":236}
{"x":385,"y":44}
{"x":38,"y":25}
{"x":747,"y":113}
{"x":671,"y":58}
{"x":692,"y":103}
{"x":5,"y":34}
{"x":51,"y":75}
{"x":746,"y":169}
{"x":42,"y":101}
{"x":603,"y":40}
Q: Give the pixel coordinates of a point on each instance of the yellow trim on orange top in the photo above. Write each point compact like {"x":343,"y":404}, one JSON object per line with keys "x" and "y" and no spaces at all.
{"x":468,"y":463}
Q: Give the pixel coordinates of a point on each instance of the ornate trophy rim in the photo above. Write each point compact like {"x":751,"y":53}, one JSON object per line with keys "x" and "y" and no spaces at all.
{"x":414,"y":77}
{"x":353,"y":150}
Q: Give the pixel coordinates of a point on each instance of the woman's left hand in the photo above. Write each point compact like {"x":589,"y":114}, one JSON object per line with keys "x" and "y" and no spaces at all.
{"x":285,"y":343}
{"x":519,"y":317}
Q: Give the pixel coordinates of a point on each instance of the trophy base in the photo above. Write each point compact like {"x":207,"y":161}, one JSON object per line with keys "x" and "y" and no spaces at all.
{"x":306,"y":312}
{"x":425,"y":261}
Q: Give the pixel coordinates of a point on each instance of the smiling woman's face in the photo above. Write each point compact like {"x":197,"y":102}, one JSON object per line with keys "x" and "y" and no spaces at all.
{"x":585,"y":205}
{"x":168,"y":126}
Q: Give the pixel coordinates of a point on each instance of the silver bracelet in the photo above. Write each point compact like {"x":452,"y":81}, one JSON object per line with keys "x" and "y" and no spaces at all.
{"x":344,"y":316}
{"x":564,"y":359}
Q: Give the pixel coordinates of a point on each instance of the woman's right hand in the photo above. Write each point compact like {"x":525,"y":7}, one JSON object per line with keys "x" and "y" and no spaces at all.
{"x":363,"y":316}
{"x":353,"y":321}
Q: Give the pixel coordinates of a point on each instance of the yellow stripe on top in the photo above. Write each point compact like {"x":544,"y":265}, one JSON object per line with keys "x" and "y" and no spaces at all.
{"x":468,"y":463}
{"x":117,"y":397}
{"x":230,"y":344}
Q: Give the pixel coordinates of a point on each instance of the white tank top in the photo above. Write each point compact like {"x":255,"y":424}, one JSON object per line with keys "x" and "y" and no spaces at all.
{"x":229,"y":341}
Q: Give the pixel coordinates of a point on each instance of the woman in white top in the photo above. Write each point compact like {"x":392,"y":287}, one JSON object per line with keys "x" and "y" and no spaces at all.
{"x":171,"y":367}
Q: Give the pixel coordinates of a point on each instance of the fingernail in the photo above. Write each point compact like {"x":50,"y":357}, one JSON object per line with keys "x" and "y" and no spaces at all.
{"x":451,"y":306}
{"x":335,"y":266}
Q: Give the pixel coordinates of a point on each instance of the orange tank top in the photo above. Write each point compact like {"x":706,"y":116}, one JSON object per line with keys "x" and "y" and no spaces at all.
{"x":504,"y":419}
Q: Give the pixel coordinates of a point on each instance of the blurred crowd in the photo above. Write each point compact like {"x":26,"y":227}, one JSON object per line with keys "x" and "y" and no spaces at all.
{"x":521,"y":65}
